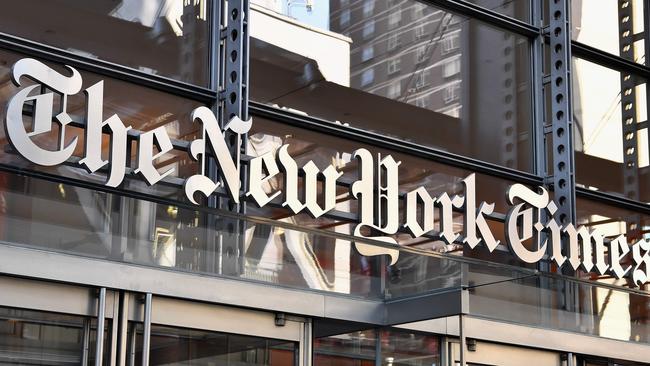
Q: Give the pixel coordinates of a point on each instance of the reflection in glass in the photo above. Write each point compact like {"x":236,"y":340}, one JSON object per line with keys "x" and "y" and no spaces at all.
{"x":613,"y":26}
{"x":305,"y":145}
{"x":182,"y":346}
{"x":160,"y":37}
{"x":38,"y":338}
{"x":350,"y":349}
{"x":142,"y":108}
{"x":607,"y":134}
{"x":401,"y":348}
{"x":390,"y":347}
{"x":74,"y":220}
{"x":432,"y":77}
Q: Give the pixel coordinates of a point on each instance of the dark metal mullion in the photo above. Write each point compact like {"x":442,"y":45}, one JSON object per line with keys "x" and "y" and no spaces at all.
{"x":492,"y":17}
{"x":646,"y":42}
{"x":611,"y":199}
{"x":395,"y":144}
{"x":105,"y":68}
{"x":608,"y":60}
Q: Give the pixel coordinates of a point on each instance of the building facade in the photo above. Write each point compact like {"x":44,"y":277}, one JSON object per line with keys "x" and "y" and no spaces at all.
{"x":344,"y":182}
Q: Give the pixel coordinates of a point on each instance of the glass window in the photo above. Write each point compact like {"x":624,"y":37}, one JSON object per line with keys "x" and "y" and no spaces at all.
{"x":613,"y":26}
{"x":344,"y":20}
{"x":418,"y":10}
{"x":394,"y":65}
{"x":368,"y":7}
{"x":367,"y":76}
{"x":421,"y":54}
{"x":608,"y":107}
{"x":333,"y":83}
{"x":436,"y":178}
{"x":40,"y":338}
{"x":403,"y":348}
{"x":393,"y":42}
{"x":451,"y":68}
{"x":518,"y":9}
{"x":394,"y":18}
{"x":181,"y":346}
{"x":420,"y":31}
{"x":168,"y":38}
{"x":391,"y":347}
{"x":367,"y":53}
{"x":349,"y":349}
{"x":394,"y":90}
{"x":142,"y":108}
{"x":449,"y":43}
{"x":369,"y":29}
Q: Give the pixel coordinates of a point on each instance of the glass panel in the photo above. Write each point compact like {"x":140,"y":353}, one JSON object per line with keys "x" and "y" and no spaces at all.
{"x":409,"y":70}
{"x":168,"y":38}
{"x":559,"y":303}
{"x":414,"y":172}
{"x":519,"y":9}
{"x":396,"y":347}
{"x":403,"y":348}
{"x":180,"y":346}
{"x":350,"y":349}
{"x":39,"y":338}
{"x":64,"y":218}
{"x":612,"y":222}
{"x":142,"y":108}
{"x":602,"y":109}
{"x":613,"y":26}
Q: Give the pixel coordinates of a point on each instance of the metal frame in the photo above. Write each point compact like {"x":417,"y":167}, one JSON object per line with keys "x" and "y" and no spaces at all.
{"x":557,"y":131}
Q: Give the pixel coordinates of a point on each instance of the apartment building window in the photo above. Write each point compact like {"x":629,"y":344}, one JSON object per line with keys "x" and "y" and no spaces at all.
{"x":418,"y":10}
{"x":393,"y":42}
{"x":421,"y":102}
{"x":421,"y":79}
{"x":449,"y":43}
{"x":369,"y":29}
{"x":367,"y":53}
{"x":394,"y":90}
{"x":421,"y":54}
{"x":368,"y":7}
{"x":344,"y":20}
{"x":344,"y":3}
{"x":367,"y":77}
{"x":451,"y":68}
{"x":451,"y":93}
{"x":394,"y":65}
{"x":394,"y":18}
{"x":419,"y":31}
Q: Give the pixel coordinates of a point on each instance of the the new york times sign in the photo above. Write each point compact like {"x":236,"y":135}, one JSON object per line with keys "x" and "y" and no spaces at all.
{"x":530,"y":218}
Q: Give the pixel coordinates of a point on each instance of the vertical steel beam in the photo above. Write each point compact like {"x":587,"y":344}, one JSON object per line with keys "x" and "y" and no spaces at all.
{"x":628,"y":102}
{"x":101,"y":318}
{"x":561,"y":121}
{"x":233,"y":102}
{"x":146,"y":334}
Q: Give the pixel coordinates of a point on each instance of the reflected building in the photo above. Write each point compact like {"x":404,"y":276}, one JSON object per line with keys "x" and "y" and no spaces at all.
{"x":416,"y":54}
{"x":403,"y":50}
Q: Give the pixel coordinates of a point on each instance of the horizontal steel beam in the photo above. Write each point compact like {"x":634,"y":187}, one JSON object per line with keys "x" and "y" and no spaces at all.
{"x":392,"y":143}
{"x":617,"y":63}
{"x":108,"y":69}
{"x":489,"y":16}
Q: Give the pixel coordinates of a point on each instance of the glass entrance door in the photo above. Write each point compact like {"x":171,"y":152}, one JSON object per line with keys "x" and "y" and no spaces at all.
{"x":184,"y":346}
{"x":181,"y":332}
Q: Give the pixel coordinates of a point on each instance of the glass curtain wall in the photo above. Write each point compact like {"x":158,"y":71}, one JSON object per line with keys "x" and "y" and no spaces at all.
{"x":384,"y":346}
